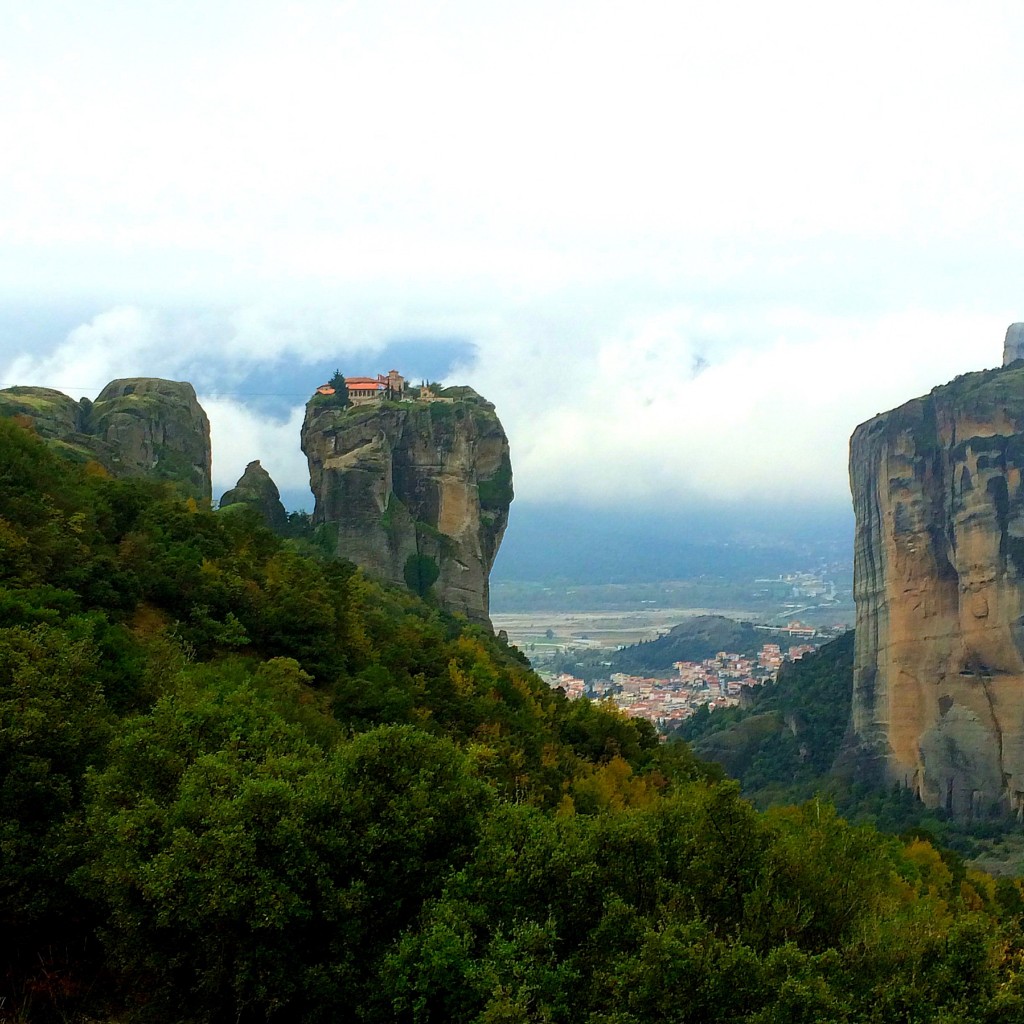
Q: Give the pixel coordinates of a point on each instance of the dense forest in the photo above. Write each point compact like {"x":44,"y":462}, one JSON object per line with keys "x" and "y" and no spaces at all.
{"x":239,"y":781}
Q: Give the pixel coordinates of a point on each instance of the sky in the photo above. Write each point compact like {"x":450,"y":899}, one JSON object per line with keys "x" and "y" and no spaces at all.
{"x":685,"y":248}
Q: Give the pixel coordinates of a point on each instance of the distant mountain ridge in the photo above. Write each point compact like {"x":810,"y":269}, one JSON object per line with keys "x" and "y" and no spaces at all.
{"x":683,"y":540}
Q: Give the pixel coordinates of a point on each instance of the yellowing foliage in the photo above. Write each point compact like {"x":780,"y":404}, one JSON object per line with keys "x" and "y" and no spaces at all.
{"x":935,"y":876}
{"x":613,"y":787}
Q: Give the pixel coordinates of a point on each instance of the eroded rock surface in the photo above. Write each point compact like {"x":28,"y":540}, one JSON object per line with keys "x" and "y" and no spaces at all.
{"x":257,"y":490}
{"x":137,"y":427}
{"x":411,"y":487}
{"x":938,"y":690}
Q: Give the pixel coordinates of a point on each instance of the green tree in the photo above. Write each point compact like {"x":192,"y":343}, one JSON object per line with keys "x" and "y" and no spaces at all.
{"x":421,"y":573}
{"x":340,"y":397}
{"x":247,"y":872}
{"x":53,"y":725}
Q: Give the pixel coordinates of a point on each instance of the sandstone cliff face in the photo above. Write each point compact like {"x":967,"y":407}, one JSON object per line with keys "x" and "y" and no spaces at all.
{"x":139,"y":427}
{"x":938,"y":690}
{"x":413,"y":482}
{"x":256,"y":490}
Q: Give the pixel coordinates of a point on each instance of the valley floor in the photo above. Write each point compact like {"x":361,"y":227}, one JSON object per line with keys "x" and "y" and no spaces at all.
{"x":596,"y":629}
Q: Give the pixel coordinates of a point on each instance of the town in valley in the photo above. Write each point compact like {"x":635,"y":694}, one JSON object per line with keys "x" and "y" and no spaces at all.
{"x":716,"y":682}
{"x":577,"y":650}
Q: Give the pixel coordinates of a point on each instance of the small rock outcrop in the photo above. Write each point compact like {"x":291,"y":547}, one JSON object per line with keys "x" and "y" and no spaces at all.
{"x":256,"y":490}
{"x":137,"y":427}
{"x":414,"y":492}
{"x":938,"y":687}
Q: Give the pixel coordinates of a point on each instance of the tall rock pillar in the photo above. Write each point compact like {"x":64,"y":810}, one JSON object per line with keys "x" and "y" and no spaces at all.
{"x":938,"y":689}
{"x":414,"y":492}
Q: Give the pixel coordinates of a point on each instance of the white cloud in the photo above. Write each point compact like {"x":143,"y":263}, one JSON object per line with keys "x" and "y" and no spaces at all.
{"x":208,"y":348}
{"x":685,"y":403}
{"x":349,"y":141}
{"x":627,"y":419}
{"x":239,"y":435}
{"x":815,"y":204}
{"x":116,"y":343}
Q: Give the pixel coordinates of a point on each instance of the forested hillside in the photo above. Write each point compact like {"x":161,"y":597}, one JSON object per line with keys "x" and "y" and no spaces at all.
{"x":699,"y":637}
{"x":694,"y":639}
{"x":789,"y":733}
{"x":241,"y":782}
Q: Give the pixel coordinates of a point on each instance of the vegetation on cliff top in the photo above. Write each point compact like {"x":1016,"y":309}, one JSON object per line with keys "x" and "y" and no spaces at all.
{"x":981,"y":394}
{"x":450,"y":402}
{"x":237,"y":783}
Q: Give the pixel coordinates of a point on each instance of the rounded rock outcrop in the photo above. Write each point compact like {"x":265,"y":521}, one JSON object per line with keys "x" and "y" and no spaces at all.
{"x":157,"y":429}
{"x":137,"y":427}
{"x":1013,"y":345}
{"x":53,"y":414}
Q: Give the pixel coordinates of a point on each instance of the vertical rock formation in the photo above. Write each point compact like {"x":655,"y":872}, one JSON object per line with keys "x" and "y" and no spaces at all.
{"x":140,"y":427}
{"x":256,"y":490}
{"x":938,"y":689}
{"x":416,"y":492}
